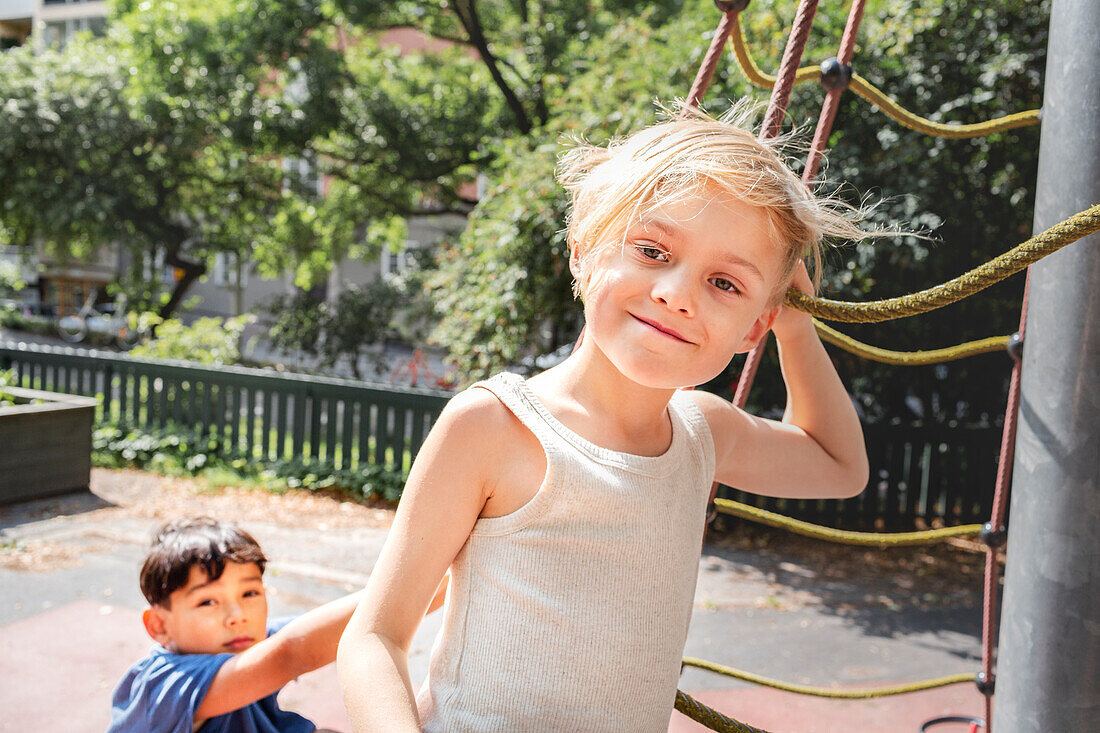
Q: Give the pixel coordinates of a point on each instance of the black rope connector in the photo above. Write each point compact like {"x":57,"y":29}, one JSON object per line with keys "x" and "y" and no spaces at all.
{"x":985,"y":684}
{"x":731,"y":6}
{"x":835,"y":75}
{"x":1015,"y":346}
{"x":993,"y":538}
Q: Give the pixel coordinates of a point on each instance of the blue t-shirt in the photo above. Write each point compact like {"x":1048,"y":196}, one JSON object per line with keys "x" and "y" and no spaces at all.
{"x":161,"y":693}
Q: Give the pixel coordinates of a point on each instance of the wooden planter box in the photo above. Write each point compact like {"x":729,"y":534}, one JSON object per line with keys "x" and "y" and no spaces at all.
{"x":45,"y":448}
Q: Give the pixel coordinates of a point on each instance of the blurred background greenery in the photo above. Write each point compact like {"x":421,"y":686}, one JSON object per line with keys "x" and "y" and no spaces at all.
{"x":168,"y":133}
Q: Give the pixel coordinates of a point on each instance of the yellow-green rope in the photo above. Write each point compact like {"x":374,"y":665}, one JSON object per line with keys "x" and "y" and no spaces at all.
{"x":904,"y":117}
{"x":838,"y":694}
{"x":909,"y":358}
{"x":1016,"y":259}
{"x":753,"y":72}
{"x":842,"y":536}
{"x":877,"y":97}
{"x":710,"y":717}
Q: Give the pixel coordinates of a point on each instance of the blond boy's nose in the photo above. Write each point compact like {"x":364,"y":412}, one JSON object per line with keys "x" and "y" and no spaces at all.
{"x":673,"y":293}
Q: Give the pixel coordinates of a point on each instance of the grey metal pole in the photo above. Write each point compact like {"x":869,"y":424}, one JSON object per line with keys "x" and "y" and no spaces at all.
{"x":1049,"y":663}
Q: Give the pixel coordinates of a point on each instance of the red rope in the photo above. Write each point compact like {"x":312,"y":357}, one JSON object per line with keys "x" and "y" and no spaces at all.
{"x":710,"y":61}
{"x":773,"y":122}
{"x":997,"y":515}
{"x":788,"y":67}
{"x":832,"y":99}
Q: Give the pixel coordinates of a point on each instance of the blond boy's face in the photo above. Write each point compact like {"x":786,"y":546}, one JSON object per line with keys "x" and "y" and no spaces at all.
{"x":213,"y":616}
{"x":691,"y":287}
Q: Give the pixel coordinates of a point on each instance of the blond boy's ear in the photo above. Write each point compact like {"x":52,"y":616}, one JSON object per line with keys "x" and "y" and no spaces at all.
{"x":153,"y":618}
{"x":574,"y":260}
{"x":758,"y":330}
{"x":577,"y":270}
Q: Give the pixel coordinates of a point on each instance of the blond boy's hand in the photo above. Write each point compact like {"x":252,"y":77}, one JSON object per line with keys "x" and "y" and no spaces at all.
{"x":792,"y":324}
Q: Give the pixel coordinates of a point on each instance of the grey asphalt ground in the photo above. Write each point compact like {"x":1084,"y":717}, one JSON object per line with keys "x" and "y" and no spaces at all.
{"x":70,"y":624}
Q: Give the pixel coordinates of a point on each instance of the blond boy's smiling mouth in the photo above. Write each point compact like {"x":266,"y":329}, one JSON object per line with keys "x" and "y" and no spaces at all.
{"x":662,"y":329}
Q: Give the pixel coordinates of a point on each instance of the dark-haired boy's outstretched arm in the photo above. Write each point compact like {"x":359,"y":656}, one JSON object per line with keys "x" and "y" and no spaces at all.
{"x":307,"y":643}
{"x":303,"y":645}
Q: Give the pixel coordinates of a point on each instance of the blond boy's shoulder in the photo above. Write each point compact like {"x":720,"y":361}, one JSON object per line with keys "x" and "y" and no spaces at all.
{"x":478,"y":408}
{"x":483,"y":421}
{"x":710,"y":404}
{"x":503,"y":457}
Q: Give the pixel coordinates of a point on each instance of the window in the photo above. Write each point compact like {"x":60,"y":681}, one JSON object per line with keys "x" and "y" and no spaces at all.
{"x":153,"y":268}
{"x":397,"y":261}
{"x":226,"y":265}
{"x":301,"y":176}
{"x":56,"y":33}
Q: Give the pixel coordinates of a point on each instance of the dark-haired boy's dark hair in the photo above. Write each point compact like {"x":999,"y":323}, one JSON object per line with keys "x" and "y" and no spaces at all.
{"x":182,"y":544}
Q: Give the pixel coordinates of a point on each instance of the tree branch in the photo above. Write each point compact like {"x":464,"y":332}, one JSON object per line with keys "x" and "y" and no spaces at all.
{"x":192,"y":271}
{"x":466,"y":11}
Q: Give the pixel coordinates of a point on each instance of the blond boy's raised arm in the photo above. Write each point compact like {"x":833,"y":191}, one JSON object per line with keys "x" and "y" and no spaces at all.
{"x":818,"y":450}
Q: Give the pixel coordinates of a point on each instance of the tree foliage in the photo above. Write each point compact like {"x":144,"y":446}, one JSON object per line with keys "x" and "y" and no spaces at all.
{"x":187,"y":108}
{"x":946,"y":59}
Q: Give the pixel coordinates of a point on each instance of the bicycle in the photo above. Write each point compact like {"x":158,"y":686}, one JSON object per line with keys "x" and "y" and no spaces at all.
{"x":111,"y":321}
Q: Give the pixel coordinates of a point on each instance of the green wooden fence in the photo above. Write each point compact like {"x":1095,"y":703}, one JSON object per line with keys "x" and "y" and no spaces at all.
{"x":920,"y":475}
{"x":252,"y":413}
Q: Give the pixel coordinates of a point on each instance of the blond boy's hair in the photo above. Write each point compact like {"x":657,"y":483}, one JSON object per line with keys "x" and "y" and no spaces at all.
{"x":613,"y":187}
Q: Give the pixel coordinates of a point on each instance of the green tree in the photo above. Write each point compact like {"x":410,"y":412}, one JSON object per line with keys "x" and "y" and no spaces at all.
{"x":191,"y":106}
{"x":168,"y":136}
{"x":348,"y":330}
{"x":500,"y":287}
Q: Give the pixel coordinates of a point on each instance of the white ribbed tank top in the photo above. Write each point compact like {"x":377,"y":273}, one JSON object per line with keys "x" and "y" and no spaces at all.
{"x":571,"y":613}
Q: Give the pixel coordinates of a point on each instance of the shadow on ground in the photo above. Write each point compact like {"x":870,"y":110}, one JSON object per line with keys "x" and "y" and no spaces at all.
{"x":13,"y":515}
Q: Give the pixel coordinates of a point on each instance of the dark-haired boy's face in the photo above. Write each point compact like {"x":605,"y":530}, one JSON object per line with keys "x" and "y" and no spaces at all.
{"x":213,"y":616}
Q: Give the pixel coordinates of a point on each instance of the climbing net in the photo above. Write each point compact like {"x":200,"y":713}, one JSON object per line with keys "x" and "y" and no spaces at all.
{"x":836,"y":75}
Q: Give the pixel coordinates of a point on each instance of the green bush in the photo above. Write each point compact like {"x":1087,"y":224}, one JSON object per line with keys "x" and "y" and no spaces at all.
{"x":12,"y":317}
{"x":362,"y":318}
{"x":6,"y":379}
{"x":206,"y":341}
{"x":176,"y":451}
{"x":11,"y":280}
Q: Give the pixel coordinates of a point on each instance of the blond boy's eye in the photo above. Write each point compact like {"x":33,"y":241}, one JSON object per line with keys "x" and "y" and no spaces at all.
{"x":723,"y":284}
{"x":653,"y":253}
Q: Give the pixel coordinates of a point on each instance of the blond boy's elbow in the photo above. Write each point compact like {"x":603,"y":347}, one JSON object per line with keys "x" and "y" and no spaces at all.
{"x":857,"y":479}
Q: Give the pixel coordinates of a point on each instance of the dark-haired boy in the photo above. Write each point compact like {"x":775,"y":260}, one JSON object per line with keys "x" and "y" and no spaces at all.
{"x":218,"y":663}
